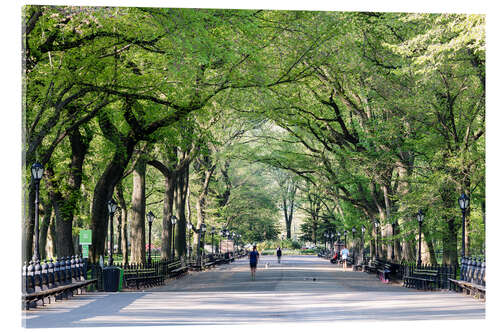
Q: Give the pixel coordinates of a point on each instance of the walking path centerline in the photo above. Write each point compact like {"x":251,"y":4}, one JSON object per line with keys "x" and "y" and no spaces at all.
{"x":300,"y":289}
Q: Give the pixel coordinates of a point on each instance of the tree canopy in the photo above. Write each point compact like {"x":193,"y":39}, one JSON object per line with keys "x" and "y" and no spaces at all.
{"x":233,"y":118}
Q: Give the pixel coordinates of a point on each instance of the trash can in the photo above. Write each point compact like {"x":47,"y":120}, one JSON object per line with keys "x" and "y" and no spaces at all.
{"x":111,"y":278}
{"x":120,"y":283}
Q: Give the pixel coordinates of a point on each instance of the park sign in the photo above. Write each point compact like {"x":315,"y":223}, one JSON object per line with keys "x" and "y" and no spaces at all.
{"x":85,"y":251}
{"x":85,"y":237}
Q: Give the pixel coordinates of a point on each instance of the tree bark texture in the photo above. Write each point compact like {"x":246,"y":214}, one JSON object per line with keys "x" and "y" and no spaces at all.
{"x":180,"y":203}
{"x":44,"y":228}
{"x":102,"y":194}
{"x":138,"y":211}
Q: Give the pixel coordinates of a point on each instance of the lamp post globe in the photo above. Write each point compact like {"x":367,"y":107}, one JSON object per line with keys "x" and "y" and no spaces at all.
{"x":463,"y":202}
{"x":173,"y":220}
{"x":420,"y":219}
{"x":150,"y":217}
{"x":112,"y":206}
{"x":363,"y":229}
{"x":36,"y":176}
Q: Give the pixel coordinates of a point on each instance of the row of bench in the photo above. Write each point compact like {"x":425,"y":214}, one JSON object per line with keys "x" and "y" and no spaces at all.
{"x":53,"y":280}
{"x":143,"y":276}
{"x":472,"y":277}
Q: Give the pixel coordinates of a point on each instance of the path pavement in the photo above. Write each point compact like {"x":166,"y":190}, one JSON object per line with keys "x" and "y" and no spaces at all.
{"x":302,"y":289}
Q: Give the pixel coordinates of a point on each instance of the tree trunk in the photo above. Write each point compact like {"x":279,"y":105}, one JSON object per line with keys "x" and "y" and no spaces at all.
{"x":428,"y":253}
{"x":102,"y":193}
{"x":181,"y":193}
{"x":29,"y":223}
{"x":448,"y":197}
{"x":44,"y":228}
{"x":51,"y":239}
{"x":168,"y":207}
{"x":138,"y":224}
{"x":119,"y":228}
{"x":63,"y":209}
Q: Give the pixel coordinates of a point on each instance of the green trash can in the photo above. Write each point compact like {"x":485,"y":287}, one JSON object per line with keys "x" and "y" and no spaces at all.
{"x":120,"y":282}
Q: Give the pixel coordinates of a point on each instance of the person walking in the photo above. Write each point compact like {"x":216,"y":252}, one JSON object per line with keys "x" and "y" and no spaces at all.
{"x":254,"y":258}
{"x":344,"y":253}
{"x":278,"y":254}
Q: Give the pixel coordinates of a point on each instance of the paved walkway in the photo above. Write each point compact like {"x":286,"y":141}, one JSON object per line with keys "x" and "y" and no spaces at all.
{"x":302,"y":289}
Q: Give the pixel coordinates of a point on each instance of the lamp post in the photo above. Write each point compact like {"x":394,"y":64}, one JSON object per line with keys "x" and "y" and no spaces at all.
{"x":190,"y":227}
{"x":363,"y":229}
{"x":234,"y":236}
{"x":36,"y":176}
{"x":376,"y":238}
{"x":173,"y":220}
{"x":463,"y":202}
{"x":393,"y":241}
{"x":345,"y":238}
{"x":353,"y":247}
{"x":112,"y":206}
{"x":212,"y":232}
{"x":420,"y":219}
{"x":226,"y":235}
{"x":203,"y":228}
{"x":324,"y":235}
{"x":338,"y":238}
{"x":150,"y":216}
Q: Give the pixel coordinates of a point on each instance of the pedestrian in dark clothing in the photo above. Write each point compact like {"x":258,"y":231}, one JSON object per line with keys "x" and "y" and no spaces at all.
{"x":278,"y":253}
{"x":254,"y":258}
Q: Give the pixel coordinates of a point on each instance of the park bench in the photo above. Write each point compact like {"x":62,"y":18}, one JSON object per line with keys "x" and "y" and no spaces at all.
{"x":43,"y":282}
{"x":384,"y":271}
{"x":360,"y":265}
{"x":472,"y":278}
{"x":140,"y":275}
{"x":373,"y":266}
{"x":176,"y":268}
{"x":210,"y":261}
{"x":421,"y":279}
{"x":219,"y":259}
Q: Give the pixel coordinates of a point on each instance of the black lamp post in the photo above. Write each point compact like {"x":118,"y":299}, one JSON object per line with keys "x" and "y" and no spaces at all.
{"x":345,"y":238}
{"x":36,"y":176}
{"x":353,"y":247}
{"x":173,"y":220}
{"x":150,"y":217}
{"x":112,"y":206}
{"x":226,"y":235}
{"x":338,"y":238}
{"x":203,"y":229}
{"x":325,"y":235}
{"x":233,"y":237}
{"x":363,"y":229}
{"x":376,"y":238}
{"x":420,"y":219}
{"x":190,"y":227}
{"x":463,"y":202}
{"x":393,"y":241}
{"x":212,"y":232}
